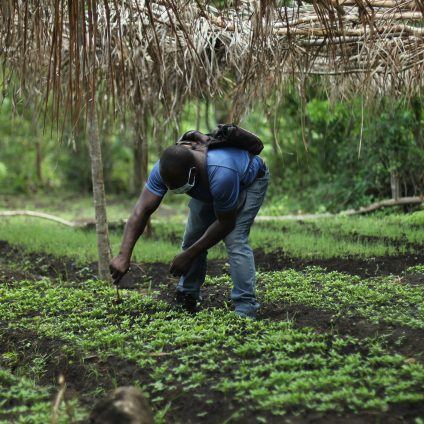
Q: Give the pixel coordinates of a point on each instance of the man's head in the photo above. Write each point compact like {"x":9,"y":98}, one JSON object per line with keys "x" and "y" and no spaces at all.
{"x":178,"y":168}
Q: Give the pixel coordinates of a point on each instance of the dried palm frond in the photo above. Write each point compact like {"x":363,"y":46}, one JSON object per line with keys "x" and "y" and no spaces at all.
{"x":166,"y":51}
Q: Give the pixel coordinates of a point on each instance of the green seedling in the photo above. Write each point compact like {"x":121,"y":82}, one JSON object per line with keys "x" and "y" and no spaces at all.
{"x":270,"y":367}
{"x":324,"y":238}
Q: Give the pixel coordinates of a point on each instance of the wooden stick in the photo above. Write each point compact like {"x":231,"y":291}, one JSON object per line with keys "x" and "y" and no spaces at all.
{"x":409,"y":4}
{"x":384,"y":203}
{"x":338,"y":32}
{"x":355,"y":17}
{"x":38,"y":215}
{"x":365,"y":209}
{"x":58,"y":400}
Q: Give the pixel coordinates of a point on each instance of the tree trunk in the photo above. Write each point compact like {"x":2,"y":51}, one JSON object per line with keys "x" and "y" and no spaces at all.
{"x":277,"y":158}
{"x":137,"y":178}
{"x":207,"y":123}
{"x":38,"y":160}
{"x":395,"y":185}
{"x":198,"y":114}
{"x":37,"y":142}
{"x":417,"y":110}
{"x":140,"y":151}
{"x":99,"y":197}
{"x":141,"y":158}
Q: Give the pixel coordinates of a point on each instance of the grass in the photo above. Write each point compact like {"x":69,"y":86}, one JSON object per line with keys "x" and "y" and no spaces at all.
{"x":293,"y":238}
{"x":324,"y":238}
{"x":266,"y":368}
{"x":259,"y":369}
{"x":77,"y":207}
{"x":51,"y":238}
{"x":343,"y":236}
{"x":297,"y":241}
{"x":406,"y":228}
{"x":67,"y":206}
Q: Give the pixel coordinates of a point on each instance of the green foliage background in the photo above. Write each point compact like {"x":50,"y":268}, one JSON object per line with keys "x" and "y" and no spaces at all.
{"x":323,"y":156}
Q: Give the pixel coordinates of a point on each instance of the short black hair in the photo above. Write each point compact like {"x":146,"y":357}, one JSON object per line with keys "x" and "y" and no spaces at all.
{"x":175,"y":163}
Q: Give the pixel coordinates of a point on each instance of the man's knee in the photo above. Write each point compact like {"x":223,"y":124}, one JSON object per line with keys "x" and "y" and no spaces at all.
{"x":236,"y":242}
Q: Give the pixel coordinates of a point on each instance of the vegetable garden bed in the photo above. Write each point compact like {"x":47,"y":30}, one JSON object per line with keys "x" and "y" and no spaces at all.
{"x":337,"y":340}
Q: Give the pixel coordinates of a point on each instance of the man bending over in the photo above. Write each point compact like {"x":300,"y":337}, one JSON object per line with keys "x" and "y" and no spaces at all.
{"x":227,"y":186}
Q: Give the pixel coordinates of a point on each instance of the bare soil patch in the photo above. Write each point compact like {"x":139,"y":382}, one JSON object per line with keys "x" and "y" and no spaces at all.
{"x":17,"y":265}
{"x":81,"y":383}
{"x":370,"y":267}
{"x":409,"y":342}
{"x":399,"y":339}
{"x":28,"y":265}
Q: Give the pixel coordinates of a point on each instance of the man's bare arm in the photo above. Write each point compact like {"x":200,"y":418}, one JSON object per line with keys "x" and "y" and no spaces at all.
{"x":217,"y":231}
{"x":134,"y":228}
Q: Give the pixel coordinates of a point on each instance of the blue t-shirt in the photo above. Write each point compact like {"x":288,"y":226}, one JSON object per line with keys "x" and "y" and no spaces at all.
{"x":229,"y":171}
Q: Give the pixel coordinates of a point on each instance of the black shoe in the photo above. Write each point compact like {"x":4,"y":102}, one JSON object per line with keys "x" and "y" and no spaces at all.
{"x":186,"y":301}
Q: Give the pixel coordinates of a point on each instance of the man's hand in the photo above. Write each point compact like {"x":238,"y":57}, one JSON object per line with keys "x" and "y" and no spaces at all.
{"x":181,"y":264}
{"x":146,"y":205}
{"x":217,"y":231}
{"x":118,"y":267}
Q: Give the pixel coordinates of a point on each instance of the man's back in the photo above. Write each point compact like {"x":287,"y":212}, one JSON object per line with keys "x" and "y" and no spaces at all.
{"x":229,"y":170}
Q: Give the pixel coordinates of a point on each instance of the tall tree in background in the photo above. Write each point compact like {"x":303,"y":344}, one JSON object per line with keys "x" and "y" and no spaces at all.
{"x":99,"y":196}
{"x":37,"y":138}
{"x":88,"y":80}
{"x":140,"y":148}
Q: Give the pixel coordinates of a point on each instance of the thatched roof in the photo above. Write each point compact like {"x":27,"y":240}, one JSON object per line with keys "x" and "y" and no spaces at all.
{"x":169,"y":50}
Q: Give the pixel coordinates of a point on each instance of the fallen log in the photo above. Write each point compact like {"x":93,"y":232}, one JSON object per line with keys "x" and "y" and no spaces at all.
{"x":120,"y":224}
{"x":365,"y":209}
{"x":384,"y":203}
{"x":39,"y":215}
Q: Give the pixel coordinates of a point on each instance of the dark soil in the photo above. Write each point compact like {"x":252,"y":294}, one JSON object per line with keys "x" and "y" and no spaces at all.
{"x":13,"y":275}
{"x":16,"y":265}
{"x":157,"y":273}
{"x":370,"y":267}
{"x":30,"y":265}
{"x":83,"y":375}
{"x":399,"y":339}
{"x":77,"y":369}
{"x":40,"y":264}
{"x":414,"y":278}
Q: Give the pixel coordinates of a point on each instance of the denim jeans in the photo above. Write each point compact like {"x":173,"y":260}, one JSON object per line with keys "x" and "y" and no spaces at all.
{"x":240,"y":254}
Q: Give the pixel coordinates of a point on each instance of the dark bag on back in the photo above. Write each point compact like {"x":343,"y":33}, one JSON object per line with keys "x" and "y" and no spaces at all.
{"x":228,"y":135}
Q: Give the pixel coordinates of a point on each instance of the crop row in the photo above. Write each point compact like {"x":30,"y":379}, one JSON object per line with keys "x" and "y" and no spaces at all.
{"x":318,"y":239}
{"x":260,"y":367}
